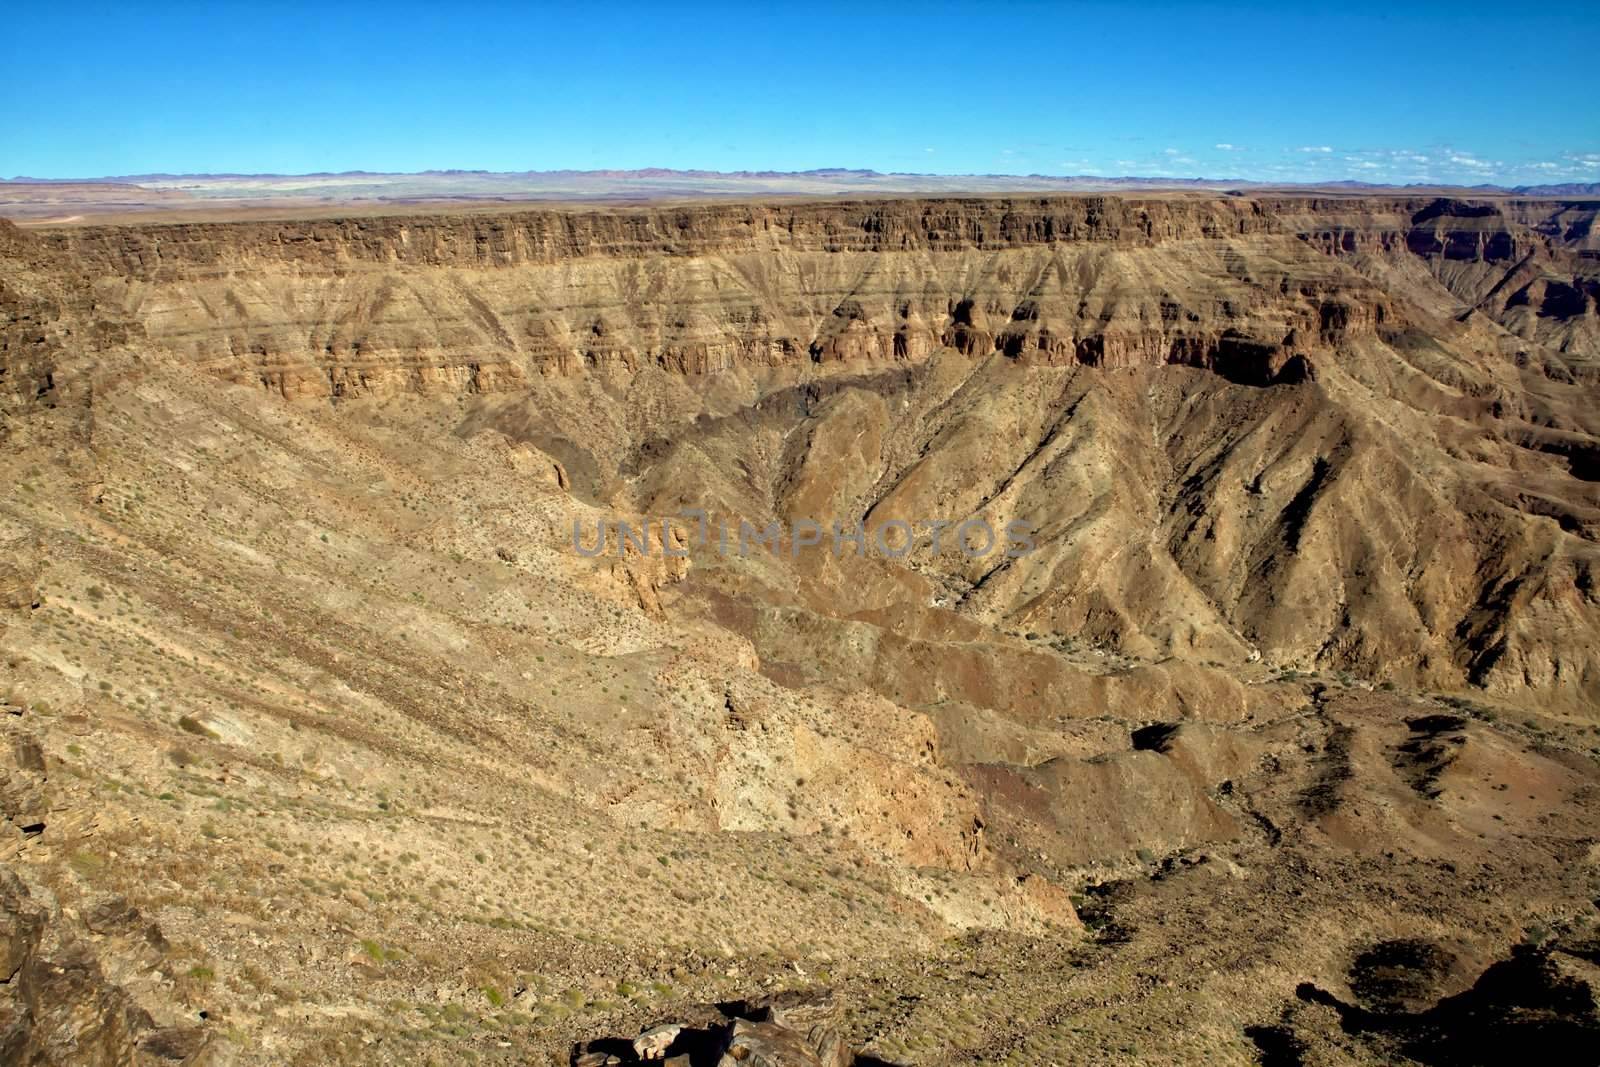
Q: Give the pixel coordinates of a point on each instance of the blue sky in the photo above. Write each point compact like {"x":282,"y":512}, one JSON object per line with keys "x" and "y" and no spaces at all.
{"x":1458,"y":92}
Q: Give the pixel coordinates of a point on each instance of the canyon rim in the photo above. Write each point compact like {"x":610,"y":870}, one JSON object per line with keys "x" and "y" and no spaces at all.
{"x":835,"y":597}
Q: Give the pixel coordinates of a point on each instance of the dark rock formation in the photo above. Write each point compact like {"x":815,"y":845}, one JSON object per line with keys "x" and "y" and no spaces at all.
{"x":787,"y":1029}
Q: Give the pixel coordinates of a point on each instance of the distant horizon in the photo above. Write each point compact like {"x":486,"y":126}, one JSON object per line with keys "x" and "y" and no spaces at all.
{"x":863,"y":173}
{"x":1418,"y":92}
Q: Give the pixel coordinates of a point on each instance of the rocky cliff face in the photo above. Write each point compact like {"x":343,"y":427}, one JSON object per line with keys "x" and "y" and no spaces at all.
{"x":30,"y":330}
{"x":549,"y":236}
{"x":1426,"y":352}
{"x":478,"y":303}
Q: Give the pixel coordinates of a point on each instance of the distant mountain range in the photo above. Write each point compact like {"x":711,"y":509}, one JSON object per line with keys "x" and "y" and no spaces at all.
{"x":196,"y":196}
{"x":845,"y":176}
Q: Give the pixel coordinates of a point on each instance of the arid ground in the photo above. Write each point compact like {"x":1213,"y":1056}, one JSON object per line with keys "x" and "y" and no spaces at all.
{"x":323,"y":743}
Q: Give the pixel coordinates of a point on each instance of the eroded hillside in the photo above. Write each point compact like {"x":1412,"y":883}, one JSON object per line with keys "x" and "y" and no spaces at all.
{"x":308,"y":677}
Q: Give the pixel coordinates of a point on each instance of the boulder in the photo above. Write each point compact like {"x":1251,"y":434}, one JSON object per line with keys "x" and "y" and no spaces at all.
{"x":654,"y":1042}
{"x":753,"y":1044}
{"x":811,"y":1014}
{"x":792,"y":1028}
{"x":109,"y":915}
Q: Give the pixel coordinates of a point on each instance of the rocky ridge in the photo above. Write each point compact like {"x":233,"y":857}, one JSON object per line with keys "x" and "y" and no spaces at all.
{"x":300,"y":661}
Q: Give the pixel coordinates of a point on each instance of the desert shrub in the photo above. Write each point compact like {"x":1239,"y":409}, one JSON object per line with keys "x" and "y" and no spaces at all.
{"x":191,"y":725}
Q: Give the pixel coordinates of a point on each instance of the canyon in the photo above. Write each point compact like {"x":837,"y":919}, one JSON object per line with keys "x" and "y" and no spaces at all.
{"x":324,"y":743}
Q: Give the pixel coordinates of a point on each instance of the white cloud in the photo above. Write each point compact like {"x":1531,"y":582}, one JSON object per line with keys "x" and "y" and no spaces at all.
{"x":1170,"y":152}
{"x":1545,"y":166}
{"x":1317,"y":148}
{"x":1225,"y":147}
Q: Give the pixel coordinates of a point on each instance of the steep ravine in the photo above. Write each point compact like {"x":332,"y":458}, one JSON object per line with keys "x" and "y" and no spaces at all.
{"x":1357,"y":433}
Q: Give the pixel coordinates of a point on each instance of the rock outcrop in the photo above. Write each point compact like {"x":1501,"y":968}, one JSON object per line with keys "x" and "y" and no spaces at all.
{"x":58,"y":1007}
{"x":798,"y":1028}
